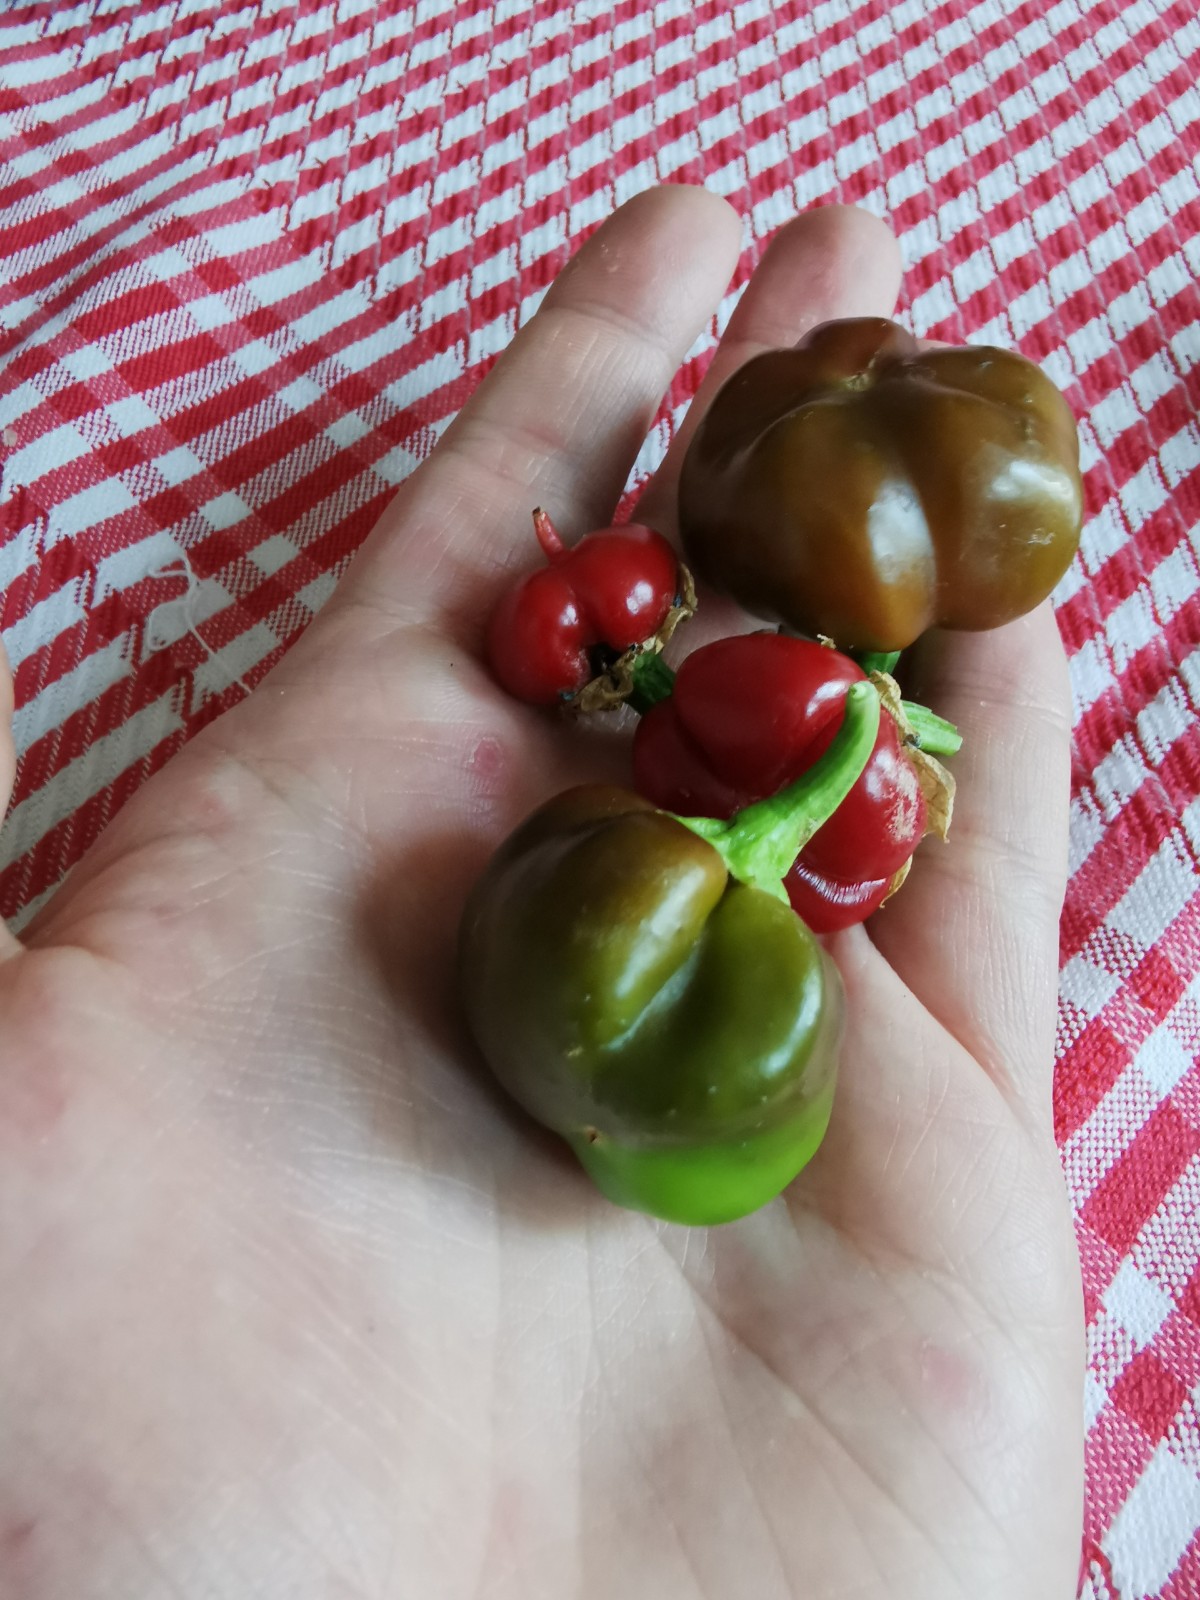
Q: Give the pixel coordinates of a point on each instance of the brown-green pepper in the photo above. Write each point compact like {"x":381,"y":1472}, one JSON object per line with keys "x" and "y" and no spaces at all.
{"x":862,"y":488}
{"x":640,"y":985}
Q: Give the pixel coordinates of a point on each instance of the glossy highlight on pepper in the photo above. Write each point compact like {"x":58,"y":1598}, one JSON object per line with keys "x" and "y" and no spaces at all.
{"x":558,"y":627}
{"x":748,"y":715}
{"x":861,"y":488}
{"x":678,"y":1025}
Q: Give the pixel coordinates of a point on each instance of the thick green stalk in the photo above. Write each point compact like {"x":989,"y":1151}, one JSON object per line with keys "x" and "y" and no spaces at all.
{"x":932,"y":733}
{"x":876,"y":660}
{"x":653,"y":681}
{"x":759,"y":844}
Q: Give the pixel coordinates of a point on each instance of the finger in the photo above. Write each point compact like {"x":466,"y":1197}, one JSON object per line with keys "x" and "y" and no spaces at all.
{"x":974,"y":931}
{"x":835,"y":261}
{"x":561,"y":418}
{"x":559,"y":421}
{"x":8,"y":769}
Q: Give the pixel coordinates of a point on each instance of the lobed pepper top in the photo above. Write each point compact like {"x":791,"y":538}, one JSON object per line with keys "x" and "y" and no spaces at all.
{"x":865,"y":489}
{"x":641,"y":971}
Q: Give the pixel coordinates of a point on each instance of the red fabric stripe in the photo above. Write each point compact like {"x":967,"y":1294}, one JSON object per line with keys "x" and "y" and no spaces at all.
{"x":1133,"y":1188}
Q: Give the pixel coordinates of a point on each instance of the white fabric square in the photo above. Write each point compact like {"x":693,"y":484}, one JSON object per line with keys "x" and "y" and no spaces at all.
{"x":1140,"y":1306}
{"x":273,"y":553}
{"x":1154,"y":1526}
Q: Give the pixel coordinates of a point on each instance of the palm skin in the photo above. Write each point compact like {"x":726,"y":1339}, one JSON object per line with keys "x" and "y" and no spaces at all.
{"x":298,"y":1307}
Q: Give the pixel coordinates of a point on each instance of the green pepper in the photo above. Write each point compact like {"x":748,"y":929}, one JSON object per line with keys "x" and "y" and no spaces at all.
{"x":640,"y":984}
{"x":862,"y":488}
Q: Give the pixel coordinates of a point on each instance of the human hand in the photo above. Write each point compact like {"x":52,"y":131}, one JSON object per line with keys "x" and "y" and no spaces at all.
{"x":298,"y":1307}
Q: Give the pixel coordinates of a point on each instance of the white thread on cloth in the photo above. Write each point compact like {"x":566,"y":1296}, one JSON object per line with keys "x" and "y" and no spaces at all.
{"x":162,"y":628}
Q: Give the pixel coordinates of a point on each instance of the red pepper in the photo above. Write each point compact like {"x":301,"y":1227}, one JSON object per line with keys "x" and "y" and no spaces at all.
{"x":561,"y":626}
{"x":747,"y":716}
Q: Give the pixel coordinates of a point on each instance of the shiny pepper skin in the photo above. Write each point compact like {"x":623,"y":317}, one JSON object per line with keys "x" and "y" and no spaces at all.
{"x":862,"y":488}
{"x":557,"y":628}
{"x":747,"y":716}
{"x":677,"y":1027}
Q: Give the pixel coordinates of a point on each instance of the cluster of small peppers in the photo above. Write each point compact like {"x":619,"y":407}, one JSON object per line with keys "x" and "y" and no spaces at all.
{"x":644,"y":970}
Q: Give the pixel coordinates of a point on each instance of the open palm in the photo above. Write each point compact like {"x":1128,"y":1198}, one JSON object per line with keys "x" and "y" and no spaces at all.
{"x":296,"y":1306}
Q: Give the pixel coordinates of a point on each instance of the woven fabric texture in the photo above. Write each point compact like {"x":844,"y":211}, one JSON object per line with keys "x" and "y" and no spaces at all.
{"x":255,"y":256}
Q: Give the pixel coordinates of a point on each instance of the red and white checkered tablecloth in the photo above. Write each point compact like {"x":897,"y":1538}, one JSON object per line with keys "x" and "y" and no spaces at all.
{"x":256,"y":254}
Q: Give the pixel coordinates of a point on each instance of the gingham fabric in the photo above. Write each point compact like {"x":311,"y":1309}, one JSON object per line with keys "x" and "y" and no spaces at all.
{"x":255,"y":255}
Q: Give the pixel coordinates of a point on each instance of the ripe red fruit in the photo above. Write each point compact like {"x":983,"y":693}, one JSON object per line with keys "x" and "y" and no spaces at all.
{"x":562,"y":625}
{"x":746,"y":717}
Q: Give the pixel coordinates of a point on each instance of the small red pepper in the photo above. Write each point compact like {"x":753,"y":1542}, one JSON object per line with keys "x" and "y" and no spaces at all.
{"x":747,"y":716}
{"x":560,"y":627}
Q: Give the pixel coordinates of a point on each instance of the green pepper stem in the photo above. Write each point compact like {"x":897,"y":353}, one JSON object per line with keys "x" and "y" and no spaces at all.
{"x":931,"y":733}
{"x":758,"y":845}
{"x":653,"y":681}
{"x":876,"y":660}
